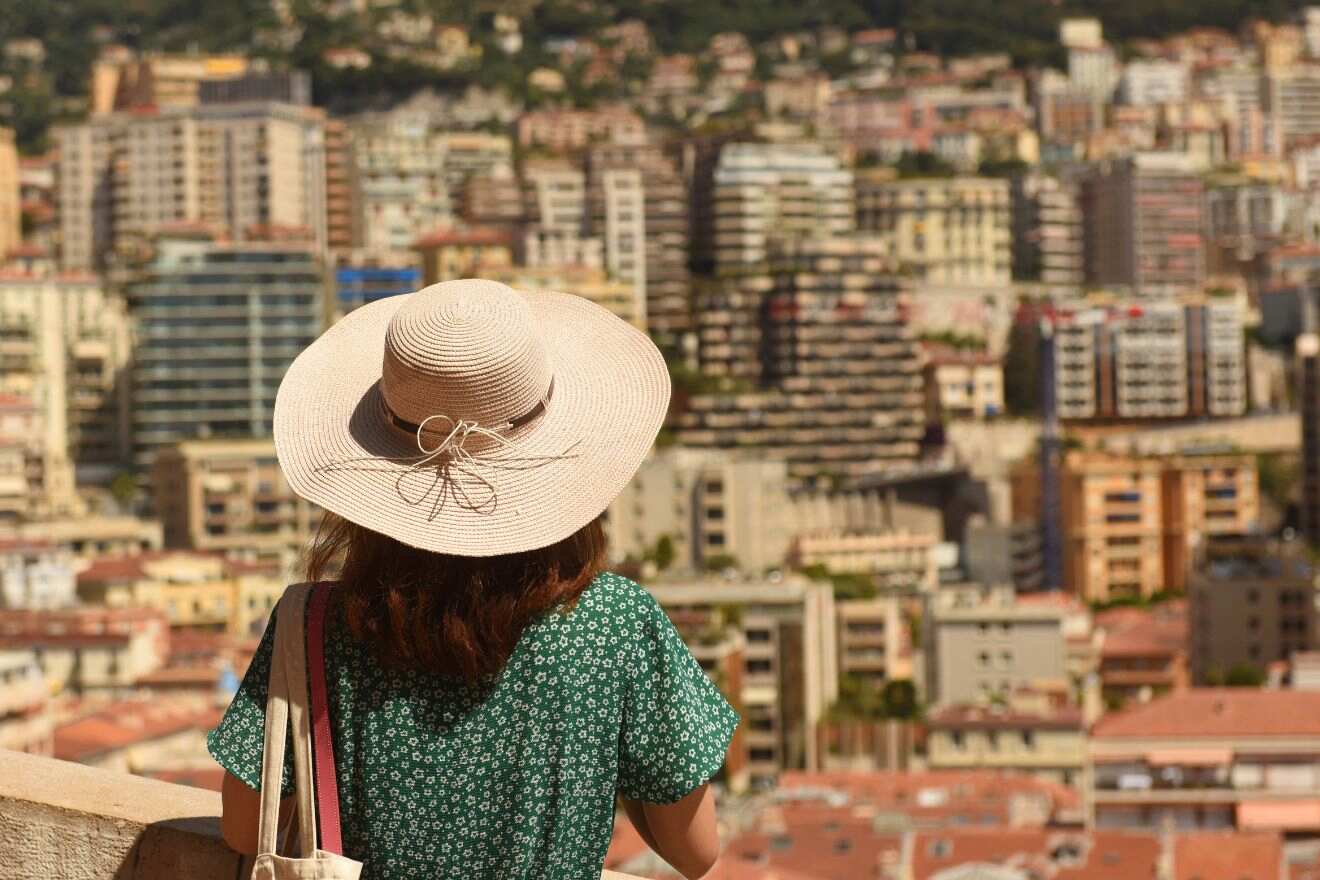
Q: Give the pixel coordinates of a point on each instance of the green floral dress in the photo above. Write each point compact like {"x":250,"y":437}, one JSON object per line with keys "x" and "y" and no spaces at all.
{"x":442,"y":780}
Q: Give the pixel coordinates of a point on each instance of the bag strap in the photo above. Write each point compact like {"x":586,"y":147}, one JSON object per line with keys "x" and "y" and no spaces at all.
{"x":323,"y":746}
{"x":286,"y":704}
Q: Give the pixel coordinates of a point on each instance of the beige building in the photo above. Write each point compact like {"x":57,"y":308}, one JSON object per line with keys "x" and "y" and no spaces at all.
{"x":874,"y":643}
{"x":230,"y":496}
{"x":65,"y":344}
{"x":193,"y":590}
{"x":399,"y":184}
{"x":89,"y":649}
{"x":25,"y":712}
{"x":962,"y":385}
{"x":711,"y":506}
{"x":1048,"y":742}
{"x":898,"y":561}
{"x":984,"y":644}
{"x":90,"y":537}
{"x":239,"y":168}
{"x":566,"y":130}
{"x":1209,"y":758}
{"x":946,"y":230}
{"x":32,"y":484}
{"x":1132,"y":525}
{"x":619,"y":297}
{"x":791,"y":670}
{"x":11,"y":215}
{"x":764,"y":191}
{"x":1252,"y":603}
{"x":122,"y":80}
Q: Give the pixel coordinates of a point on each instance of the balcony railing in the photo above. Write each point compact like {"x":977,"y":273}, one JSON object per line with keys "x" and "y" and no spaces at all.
{"x":67,"y":820}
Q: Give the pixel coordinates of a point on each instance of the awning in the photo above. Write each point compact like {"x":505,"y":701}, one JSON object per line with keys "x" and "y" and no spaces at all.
{"x":1189,"y":757}
{"x":1279,"y":815}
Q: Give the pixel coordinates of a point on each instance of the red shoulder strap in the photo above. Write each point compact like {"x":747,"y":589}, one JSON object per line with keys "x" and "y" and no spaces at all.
{"x":323,"y":746}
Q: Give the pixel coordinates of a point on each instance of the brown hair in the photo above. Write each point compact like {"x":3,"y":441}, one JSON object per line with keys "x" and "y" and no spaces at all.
{"x":459,"y":616}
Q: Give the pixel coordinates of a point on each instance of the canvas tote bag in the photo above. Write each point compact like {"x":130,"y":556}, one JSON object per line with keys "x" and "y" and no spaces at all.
{"x":288,"y":704}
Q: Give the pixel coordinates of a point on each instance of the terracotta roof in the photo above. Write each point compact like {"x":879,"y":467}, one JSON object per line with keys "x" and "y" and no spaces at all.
{"x":1060,"y":855}
{"x":201,"y":777}
{"x":125,"y":724}
{"x":1141,"y":632}
{"x":1227,"y":855}
{"x":477,"y":235}
{"x":1217,"y":713}
{"x":988,"y":718}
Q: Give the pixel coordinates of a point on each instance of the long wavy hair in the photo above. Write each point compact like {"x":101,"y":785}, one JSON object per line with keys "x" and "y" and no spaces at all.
{"x":458,"y":616}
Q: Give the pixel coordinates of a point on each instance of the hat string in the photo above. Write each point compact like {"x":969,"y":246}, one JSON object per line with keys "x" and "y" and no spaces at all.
{"x":449,"y":458}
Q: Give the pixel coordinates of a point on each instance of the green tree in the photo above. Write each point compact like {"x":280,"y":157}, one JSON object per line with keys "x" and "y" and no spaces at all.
{"x":1022,"y":369}
{"x":664,"y":552}
{"x":923,"y":164}
{"x":1245,"y":675}
{"x":900,"y":699}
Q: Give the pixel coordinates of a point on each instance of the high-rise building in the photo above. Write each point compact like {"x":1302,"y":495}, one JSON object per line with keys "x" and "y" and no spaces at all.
{"x":122,"y":80}
{"x":943,"y":230}
{"x":447,"y":254}
{"x":764,"y":191}
{"x":341,"y":212}
{"x":1291,"y":100}
{"x":665,"y":201}
{"x":874,"y":643}
{"x":229,"y":496}
{"x":1153,"y":81}
{"x":1132,"y":526}
{"x":217,"y":326}
{"x":1143,"y":224}
{"x":284,"y":86}
{"x":824,"y":367}
{"x":1047,"y":229}
{"x":1252,"y":603}
{"x":1152,"y":360}
{"x":399,"y":179}
{"x":243,"y":169}
{"x":65,"y":345}
{"x":1308,"y":397}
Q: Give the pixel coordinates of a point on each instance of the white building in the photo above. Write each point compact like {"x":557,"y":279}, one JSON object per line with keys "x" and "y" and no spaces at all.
{"x":1153,"y":82}
{"x":36,"y":575}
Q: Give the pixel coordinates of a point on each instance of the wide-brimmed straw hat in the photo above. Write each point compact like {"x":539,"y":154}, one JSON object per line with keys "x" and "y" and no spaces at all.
{"x":469,"y":418}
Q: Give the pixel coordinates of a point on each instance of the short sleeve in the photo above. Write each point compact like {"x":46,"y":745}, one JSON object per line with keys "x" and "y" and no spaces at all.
{"x":238,"y":741}
{"x":676,"y":724}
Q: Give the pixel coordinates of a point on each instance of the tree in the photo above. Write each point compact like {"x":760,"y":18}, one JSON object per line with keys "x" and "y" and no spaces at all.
{"x":664,"y":552}
{"x":923,"y":164}
{"x":1245,"y":675}
{"x":1022,"y":369}
{"x":900,"y":698}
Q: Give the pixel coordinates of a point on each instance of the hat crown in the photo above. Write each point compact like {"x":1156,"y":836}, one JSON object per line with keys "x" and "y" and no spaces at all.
{"x":467,"y":350}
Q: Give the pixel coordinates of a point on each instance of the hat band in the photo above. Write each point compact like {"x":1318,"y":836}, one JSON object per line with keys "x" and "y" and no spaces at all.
{"x":413,"y":428}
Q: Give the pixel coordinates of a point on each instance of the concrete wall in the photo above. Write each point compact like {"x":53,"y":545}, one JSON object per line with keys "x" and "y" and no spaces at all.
{"x":73,"y":822}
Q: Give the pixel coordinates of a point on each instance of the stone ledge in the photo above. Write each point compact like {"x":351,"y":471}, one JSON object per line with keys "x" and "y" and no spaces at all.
{"x":65,"y":820}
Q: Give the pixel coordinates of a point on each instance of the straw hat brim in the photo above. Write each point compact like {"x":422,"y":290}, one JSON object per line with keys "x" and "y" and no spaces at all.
{"x":338,"y":449}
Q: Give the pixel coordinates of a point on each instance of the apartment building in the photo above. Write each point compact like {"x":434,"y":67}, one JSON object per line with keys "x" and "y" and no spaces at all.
{"x":570,"y":130}
{"x":951,"y":230}
{"x":1027,"y":736}
{"x":1245,"y":219}
{"x":602,"y":288}
{"x":1132,"y":525}
{"x":89,"y":650}
{"x":26,"y":722}
{"x":1154,"y":81}
{"x":763,"y":191}
{"x":1151,"y":360}
{"x":984,"y":644}
{"x":1143,"y":224}
{"x":962,"y":385}
{"x":217,"y":326}
{"x":825,"y":363}
{"x":35,"y":574}
{"x":229,"y":496}
{"x":238,"y":168}
{"x":790,"y":675}
{"x":362,"y":281}
{"x":124,"y":80}
{"x":1252,"y":603}
{"x":90,"y":536}
{"x":342,"y":216}
{"x":472,"y":154}
{"x":1144,"y":652}
{"x":712,"y":507}
{"x":202,"y":591}
{"x":34,"y":482}
{"x":1290,"y":97}
{"x":11,"y":226}
{"x":1208,"y":758}
{"x":65,"y":344}
{"x":399,"y":182}
{"x":447,"y":254}
{"x":1047,"y":229}
{"x":1308,"y":398}
{"x":874,"y":643}
{"x":899,"y":561}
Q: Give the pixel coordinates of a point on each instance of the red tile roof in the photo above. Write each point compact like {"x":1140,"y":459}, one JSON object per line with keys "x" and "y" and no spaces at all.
{"x":473,"y":236}
{"x":990,"y":718}
{"x":1217,"y":713}
{"x":125,"y":724}
{"x":1161,"y":630}
{"x":1059,"y":855}
{"x":1227,"y":855}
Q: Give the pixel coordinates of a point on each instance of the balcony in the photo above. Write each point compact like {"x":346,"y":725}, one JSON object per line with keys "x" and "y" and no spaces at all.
{"x":67,"y":820}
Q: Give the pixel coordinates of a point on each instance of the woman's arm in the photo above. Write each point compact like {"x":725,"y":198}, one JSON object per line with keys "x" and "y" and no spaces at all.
{"x":683,"y":833}
{"x":242,"y":810}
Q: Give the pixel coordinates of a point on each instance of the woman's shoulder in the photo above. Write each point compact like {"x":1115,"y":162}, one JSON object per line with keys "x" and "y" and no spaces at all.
{"x":616,"y":605}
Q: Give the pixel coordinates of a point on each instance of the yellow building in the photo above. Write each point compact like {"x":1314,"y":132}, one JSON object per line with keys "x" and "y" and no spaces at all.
{"x":952,"y":230}
{"x":230,"y":496}
{"x":1045,"y":742}
{"x":618,"y":296}
{"x":463,"y":253}
{"x":193,"y":590}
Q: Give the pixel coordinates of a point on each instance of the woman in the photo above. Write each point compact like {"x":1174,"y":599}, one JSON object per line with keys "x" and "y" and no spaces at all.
{"x":491,"y":690}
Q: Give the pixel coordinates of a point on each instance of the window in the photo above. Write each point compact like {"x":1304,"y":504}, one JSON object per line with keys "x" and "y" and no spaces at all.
{"x":1029,"y":739}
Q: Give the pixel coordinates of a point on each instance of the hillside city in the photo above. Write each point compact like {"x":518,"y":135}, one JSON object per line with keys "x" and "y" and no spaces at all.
{"x":989,"y":494}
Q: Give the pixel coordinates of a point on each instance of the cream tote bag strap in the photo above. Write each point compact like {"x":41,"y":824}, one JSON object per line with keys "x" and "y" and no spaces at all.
{"x":288,"y":704}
